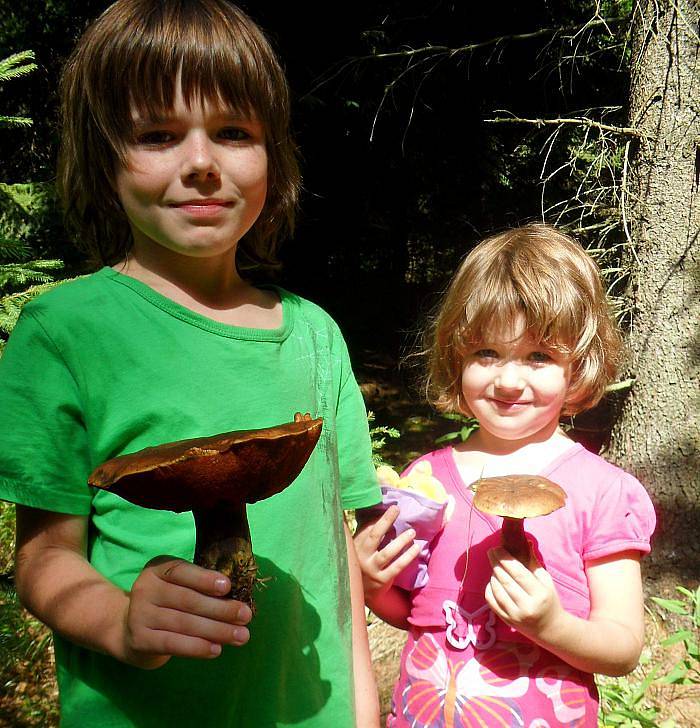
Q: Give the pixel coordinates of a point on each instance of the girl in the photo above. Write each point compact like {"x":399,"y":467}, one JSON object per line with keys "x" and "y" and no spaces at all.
{"x":178,"y":171}
{"x":522,"y":337}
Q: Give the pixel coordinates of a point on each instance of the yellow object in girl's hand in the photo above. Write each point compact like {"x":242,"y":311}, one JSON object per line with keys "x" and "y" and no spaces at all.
{"x":419,"y":480}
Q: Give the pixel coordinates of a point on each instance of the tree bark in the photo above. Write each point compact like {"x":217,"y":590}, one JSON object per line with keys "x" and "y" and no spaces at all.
{"x":656,"y":435}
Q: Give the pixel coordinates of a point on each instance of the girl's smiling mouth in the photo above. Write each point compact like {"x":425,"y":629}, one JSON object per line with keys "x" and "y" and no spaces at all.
{"x":514,"y":404}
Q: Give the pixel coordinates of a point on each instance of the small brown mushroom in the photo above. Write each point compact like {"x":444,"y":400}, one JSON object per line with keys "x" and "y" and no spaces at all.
{"x":215,"y":477}
{"x":516,"y":497}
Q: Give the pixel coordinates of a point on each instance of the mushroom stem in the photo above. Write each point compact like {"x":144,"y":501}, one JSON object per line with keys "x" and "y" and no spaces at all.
{"x":223,"y":544}
{"x":514,"y":540}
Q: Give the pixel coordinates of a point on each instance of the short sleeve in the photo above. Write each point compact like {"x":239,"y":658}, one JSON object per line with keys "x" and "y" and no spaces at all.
{"x":44,"y":459}
{"x":624,"y":520}
{"x":359,"y":487}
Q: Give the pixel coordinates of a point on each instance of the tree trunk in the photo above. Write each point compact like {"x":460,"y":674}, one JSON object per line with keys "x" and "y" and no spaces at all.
{"x":657,"y":433}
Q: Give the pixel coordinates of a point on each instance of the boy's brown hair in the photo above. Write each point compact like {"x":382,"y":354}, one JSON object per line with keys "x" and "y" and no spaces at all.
{"x":538,"y":273}
{"x":131,"y":57}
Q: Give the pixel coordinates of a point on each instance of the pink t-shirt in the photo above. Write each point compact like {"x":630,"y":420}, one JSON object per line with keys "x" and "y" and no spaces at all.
{"x":462,"y":665}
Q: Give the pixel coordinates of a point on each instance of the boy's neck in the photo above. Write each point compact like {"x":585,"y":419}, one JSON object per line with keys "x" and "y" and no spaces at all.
{"x":208,"y":286}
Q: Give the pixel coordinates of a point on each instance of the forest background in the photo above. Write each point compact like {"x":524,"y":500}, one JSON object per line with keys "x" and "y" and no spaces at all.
{"x":423,"y":127}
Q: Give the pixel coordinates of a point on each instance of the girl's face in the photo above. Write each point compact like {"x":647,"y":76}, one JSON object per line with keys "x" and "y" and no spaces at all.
{"x":515,"y":387}
{"x":194,"y":182}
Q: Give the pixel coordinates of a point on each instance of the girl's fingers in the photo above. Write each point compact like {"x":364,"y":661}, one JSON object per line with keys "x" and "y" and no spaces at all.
{"x":395,"y":547}
{"x":382,"y":526}
{"x":399,"y":564}
{"x":509,"y":569}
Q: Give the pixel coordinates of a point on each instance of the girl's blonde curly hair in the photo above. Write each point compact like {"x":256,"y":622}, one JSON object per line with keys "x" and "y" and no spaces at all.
{"x":537,"y":274}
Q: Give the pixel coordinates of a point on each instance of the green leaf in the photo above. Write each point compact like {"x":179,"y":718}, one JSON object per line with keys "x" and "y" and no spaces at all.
{"x":676,"y":675}
{"x":675,"y":606}
{"x":676,"y":637}
{"x":446,"y":438}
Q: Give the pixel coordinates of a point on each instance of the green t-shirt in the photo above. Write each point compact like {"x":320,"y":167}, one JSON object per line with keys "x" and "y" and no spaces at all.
{"x":103,"y":366}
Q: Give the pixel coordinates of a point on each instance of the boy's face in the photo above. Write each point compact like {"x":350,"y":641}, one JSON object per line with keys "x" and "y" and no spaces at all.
{"x":194,"y":182}
{"x":515,"y":387}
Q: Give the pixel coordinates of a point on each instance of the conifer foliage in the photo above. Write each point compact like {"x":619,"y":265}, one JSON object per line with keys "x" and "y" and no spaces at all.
{"x":22,"y":275}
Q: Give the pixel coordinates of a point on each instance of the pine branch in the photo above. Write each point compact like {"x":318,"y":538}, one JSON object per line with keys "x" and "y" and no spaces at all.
{"x":432,"y":51}
{"x":12,"y":304}
{"x":21,"y":274}
{"x":578,"y":121}
{"x":11,"y":249}
{"x":558,"y":30}
{"x":16,"y":65}
{"x":15,"y":121}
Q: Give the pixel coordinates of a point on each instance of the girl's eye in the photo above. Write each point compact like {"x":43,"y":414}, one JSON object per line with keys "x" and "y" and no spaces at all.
{"x":486,"y":354}
{"x":234,"y":134}
{"x":155,"y":138}
{"x":540,"y":357}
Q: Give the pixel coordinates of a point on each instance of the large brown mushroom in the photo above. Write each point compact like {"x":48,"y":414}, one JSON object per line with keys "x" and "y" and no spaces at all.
{"x":516,"y":497}
{"x":215,"y":477}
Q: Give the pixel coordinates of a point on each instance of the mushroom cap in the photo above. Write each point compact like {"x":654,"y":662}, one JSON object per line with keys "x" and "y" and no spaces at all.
{"x":518,"y":496}
{"x":234,"y":467}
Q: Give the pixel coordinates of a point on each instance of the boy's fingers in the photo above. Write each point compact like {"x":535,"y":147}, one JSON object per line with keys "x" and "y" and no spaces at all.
{"x":183,"y":623}
{"x":192,"y":602}
{"x":183,"y":573}
{"x":182,"y":645}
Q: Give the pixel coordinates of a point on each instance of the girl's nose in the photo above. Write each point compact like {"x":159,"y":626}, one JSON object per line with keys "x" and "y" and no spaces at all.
{"x":510,"y":376}
{"x":199,"y":159}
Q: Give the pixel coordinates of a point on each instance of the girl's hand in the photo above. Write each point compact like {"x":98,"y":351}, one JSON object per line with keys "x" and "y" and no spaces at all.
{"x":524,"y":599}
{"x":380,"y":567}
{"x":175,"y":608}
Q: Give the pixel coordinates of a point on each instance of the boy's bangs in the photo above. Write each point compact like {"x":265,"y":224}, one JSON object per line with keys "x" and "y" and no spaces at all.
{"x":224,"y":79}
{"x":208,"y":48}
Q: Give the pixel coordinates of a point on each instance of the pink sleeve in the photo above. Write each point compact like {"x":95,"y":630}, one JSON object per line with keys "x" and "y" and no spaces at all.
{"x":623,"y":520}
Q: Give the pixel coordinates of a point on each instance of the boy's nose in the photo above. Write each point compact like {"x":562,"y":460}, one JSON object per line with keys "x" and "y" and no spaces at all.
{"x":199,"y":160}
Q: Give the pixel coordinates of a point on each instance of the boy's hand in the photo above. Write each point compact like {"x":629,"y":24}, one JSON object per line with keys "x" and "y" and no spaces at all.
{"x":175,"y":608}
{"x":381,"y":567}
{"x":524,"y":599}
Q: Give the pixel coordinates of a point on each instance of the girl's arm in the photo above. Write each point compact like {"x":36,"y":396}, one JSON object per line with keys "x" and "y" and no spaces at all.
{"x":609,"y":642}
{"x":366,"y":697}
{"x":380,"y":567}
{"x":172,"y":608}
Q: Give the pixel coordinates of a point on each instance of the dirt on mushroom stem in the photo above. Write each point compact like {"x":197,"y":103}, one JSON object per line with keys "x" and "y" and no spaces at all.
{"x":224,"y":544}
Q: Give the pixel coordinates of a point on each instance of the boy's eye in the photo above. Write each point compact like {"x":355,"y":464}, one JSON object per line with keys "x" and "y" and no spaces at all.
{"x":155,"y":138}
{"x":234,"y":134}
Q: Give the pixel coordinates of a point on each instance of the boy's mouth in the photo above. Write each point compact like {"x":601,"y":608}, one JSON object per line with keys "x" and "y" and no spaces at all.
{"x":203,"y":207}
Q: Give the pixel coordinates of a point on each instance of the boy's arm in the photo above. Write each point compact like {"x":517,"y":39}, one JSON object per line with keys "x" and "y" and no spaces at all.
{"x":609,"y":642}
{"x":380,"y":567}
{"x":172,"y":609}
{"x":366,"y":698}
